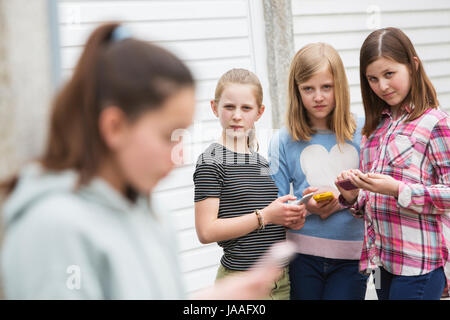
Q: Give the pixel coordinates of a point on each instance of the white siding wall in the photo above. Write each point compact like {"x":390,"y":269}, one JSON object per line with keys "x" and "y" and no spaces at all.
{"x":211,"y":37}
{"x":345,"y":24}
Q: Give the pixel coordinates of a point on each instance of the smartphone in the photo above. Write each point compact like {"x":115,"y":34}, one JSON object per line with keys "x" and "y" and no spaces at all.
{"x":347,"y":184}
{"x":305,"y":199}
{"x":324,"y":196}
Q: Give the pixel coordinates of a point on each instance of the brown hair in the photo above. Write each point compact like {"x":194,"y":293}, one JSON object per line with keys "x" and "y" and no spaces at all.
{"x":241,"y":76}
{"x":394,"y":44}
{"x":308,"y":61}
{"x":134,"y":75}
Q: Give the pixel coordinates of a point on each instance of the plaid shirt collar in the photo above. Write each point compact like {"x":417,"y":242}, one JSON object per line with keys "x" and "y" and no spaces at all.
{"x":388,"y":112}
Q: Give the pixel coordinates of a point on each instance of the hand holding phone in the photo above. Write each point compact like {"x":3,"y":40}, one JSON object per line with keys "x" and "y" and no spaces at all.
{"x":304,"y":199}
{"x":325,"y":196}
{"x":347,"y":184}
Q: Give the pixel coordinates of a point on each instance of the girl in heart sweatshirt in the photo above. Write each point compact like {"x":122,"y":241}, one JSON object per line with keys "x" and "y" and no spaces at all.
{"x":321,"y":138}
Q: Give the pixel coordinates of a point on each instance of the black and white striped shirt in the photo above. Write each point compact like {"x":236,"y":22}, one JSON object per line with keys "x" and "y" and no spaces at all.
{"x":243,"y":184}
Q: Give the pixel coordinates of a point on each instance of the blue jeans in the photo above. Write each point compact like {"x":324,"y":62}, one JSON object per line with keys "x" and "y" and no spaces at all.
{"x":319,"y":278}
{"x":425,"y":287}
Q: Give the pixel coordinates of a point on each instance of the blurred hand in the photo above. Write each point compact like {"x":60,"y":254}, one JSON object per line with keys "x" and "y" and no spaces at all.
{"x":248,"y":285}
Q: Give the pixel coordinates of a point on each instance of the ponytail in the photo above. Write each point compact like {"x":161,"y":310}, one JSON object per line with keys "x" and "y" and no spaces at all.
{"x":74,"y":140}
{"x":114,"y":69}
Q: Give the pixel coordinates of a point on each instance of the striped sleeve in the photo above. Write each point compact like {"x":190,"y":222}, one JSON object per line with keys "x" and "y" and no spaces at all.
{"x":208,"y":180}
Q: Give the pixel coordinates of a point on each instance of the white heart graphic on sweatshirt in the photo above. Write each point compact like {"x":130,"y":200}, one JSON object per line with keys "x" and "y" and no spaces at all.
{"x":322,"y":167}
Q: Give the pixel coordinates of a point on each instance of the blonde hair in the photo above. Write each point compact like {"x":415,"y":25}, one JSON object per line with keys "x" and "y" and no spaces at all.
{"x":241,"y":76}
{"x":308,"y":61}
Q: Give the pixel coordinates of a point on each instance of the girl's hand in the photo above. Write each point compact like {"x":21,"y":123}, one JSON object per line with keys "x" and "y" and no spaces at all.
{"x":297,"y":225}
{"x":253,"y":284}
{"x":282,"y":213}
{"x":378,"y":183}
{"x":349,"y":195}
{"x":324,"y":209}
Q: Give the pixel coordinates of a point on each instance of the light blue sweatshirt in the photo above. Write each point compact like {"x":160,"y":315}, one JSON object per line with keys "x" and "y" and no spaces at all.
{"x":86,"y":244}
{"x":317,"y":163}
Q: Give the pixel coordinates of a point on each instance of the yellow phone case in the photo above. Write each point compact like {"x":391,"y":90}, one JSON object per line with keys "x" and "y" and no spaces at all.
{"x":323,"y":196}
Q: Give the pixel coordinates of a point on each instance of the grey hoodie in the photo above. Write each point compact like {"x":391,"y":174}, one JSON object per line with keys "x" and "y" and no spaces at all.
{"x":86,"y":244}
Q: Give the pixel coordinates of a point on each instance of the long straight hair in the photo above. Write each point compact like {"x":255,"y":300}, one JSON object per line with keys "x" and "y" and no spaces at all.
{"x":306,"y":63}
{"x":134,"y":75}
{"x":394,"y":44}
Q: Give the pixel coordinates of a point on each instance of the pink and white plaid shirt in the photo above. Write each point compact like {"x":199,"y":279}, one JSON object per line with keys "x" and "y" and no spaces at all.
{"x":409,"y":235}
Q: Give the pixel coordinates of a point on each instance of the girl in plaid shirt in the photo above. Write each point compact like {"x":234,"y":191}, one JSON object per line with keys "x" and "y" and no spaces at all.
{"x":403,"y":185}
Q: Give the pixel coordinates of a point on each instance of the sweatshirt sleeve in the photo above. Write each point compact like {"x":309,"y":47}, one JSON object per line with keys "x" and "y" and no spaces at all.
{"x":278,"y":165}
{"x":47,"y":256}
{"x":432,"y":199}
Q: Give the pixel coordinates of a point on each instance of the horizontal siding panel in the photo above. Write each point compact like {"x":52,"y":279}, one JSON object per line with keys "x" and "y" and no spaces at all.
{"x":186,"y":50}
{"x":355,"y":94}
{"x":178,"y":178}
{"x":213,"y":69}
{"x":444,"y":101}
{"x":205,"y":89}
{"x":352,"y":75}
{"x":188,"y":240}
{"x":206,"y":73}
{"x":433,"y":52}
{"x":176,"y":199}
{"x":76,"y":35}
{"x":201,"y":132}
{"x":437,"y":68}
{"x":192,"y":151}
{"x":205,"y":131}
{"x":78,"y":12}
{"x":204,"y":257}
{"x":442,"y":85}
{"x":440,"y":51}
{"x":352,"y":22}
{"x":354,"y":40}
{"x":327,"y":7}
{"x":200,"y":279}
{"x":203,"y":111}
{"x":210,"y":49}
{"x":357,"y":109}
{"x":184,"y":219}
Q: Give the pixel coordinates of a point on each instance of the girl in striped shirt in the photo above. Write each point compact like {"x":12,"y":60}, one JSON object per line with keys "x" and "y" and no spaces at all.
{"x":403,"y":185}
{"x":236,"y":200}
